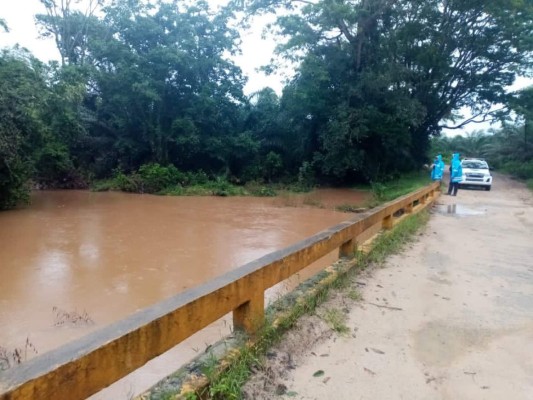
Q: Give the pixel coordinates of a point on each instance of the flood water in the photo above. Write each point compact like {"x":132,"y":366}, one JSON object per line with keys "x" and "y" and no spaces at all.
{"x":75,"y":261}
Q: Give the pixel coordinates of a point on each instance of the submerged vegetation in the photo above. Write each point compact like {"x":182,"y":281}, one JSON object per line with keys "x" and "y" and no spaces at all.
{"x":146,"y":95}
{"x":156,"y":179}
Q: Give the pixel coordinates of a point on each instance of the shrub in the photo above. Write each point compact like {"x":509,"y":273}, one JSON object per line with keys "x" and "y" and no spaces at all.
{"x":155,"y":177}
{"x":128,"y":183}
{"x":379,"y":190}
{"x":259,"y":190}
{"x":221,"y":187}
{"x":521,"y":170}
{"x":306,"y":175}
{"x":14,"y":187}
{"x":196,"y":178}
{"x":273,"y":165}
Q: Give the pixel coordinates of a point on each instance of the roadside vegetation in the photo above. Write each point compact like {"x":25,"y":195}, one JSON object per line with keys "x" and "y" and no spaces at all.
{"x":226,"y":379}
{"x":508,"y":149}
{"x":388,"y":190}
{"x":142,"y":86}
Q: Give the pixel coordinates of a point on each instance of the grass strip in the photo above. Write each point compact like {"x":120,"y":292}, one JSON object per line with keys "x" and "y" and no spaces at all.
{"x":385,"y":191}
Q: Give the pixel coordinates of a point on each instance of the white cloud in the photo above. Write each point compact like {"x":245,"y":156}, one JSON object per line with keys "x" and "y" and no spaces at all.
{"x":23,"y":31}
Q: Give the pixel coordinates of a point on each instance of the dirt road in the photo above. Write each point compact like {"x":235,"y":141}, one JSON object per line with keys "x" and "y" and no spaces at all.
{"x":459,"y":322}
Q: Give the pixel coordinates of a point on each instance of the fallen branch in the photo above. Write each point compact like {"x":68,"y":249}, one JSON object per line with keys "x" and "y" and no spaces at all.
{"x":387,"y":307}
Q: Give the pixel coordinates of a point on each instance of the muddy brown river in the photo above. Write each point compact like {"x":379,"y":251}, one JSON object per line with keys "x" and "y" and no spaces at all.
{"x":75,"y":261}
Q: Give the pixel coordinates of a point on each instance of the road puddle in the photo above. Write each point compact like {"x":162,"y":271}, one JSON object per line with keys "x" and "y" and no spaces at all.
{"x":458,"y":210}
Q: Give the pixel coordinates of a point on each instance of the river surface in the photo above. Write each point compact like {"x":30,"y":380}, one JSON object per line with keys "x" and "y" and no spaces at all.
{"x":75,"y":261}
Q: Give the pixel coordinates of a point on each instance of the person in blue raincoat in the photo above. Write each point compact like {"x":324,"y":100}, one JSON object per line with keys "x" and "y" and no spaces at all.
{"x":456,"y":174}
{"x":437,"y":169}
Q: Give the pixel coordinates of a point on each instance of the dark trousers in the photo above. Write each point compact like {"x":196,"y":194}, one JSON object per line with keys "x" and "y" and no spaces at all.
{"x":452,"y":188}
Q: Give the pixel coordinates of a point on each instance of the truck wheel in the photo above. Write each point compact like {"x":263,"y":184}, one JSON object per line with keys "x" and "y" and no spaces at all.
{"x":487,"y":188}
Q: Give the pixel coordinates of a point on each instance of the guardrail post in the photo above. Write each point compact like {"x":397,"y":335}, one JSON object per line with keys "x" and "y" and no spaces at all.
{"x":347,"y":249}
{"x":250,"y":316}
{"x":387,"y":222}
{"x":408,"y":208}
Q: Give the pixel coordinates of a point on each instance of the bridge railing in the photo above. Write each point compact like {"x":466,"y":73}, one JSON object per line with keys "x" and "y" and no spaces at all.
{"x":85,"y":366}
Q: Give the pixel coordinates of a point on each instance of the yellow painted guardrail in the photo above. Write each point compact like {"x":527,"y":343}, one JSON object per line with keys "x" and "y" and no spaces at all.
{"x":85,"y":366}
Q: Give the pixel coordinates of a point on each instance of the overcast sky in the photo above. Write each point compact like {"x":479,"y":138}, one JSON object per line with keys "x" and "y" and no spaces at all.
{"x":255,"y":50}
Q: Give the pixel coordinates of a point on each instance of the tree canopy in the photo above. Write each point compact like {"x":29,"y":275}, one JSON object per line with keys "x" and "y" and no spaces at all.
{"x":381,"y":77}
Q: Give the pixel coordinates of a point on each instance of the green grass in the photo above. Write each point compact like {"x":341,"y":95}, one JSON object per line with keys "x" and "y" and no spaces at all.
{"x":336,"y":320}
{"x":383,"y":192}
{"x":519,"y":169}
{"x":216,"y":187}
{"x":529,"y":183}
{"x":227,"y":383}
{"x":219,"y":186}
{"x":407,"y":183}
{"x":103,"y":185}
{"x":392,"y":242}
{"x":354,"y":295}
{"x":206,"y":189}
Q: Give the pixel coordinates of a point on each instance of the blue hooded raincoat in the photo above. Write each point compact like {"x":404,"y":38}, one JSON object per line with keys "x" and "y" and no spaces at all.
{"x":438,"y":169}
{"x":456,"y":169}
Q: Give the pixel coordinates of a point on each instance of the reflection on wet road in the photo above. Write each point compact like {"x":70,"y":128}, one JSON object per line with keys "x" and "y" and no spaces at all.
{"x":459,"y":210}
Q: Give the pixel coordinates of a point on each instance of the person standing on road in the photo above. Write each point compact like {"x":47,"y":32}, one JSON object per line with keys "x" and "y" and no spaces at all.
{"x":450,"y":169}
{"x":456,"y":174}
{"x":437,"y":169}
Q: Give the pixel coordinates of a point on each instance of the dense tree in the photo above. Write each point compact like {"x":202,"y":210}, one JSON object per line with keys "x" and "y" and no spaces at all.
{"x":22,"y":93}
{"x":159,"y":85}
{"x":382,"y":76}
{"x":70,"y":28}
{"x":509,"y":148}
{"x":522,"y":104}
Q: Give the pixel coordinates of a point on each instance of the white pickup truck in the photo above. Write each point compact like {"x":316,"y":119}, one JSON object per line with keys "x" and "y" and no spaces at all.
{"x":476,"y":173}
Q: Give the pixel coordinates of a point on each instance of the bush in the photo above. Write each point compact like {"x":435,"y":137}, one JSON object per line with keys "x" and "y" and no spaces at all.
{"x":150,"y":178}
{"x":379,"y":190}
{"x":103,"y":185}
{"x":128,"y":183}
{"x":155,"y":177}
{"x":259,"y":190}
{"x":14,"y":186}
{"x":306,"y":175}
{"x":273,"y":165}
{"x":521,"y":170}
{"x":196,"y":178}
{"x":53,"y":165}
{"x":221,"y":187}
